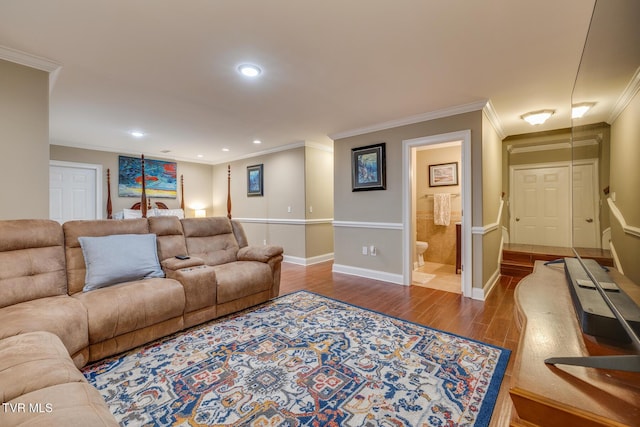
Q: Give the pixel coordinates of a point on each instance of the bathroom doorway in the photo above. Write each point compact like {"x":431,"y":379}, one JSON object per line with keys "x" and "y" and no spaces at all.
{"x":435,"y":190}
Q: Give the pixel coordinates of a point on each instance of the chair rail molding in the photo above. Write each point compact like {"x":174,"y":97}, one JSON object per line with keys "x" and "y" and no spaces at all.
{"x":629,"y":229}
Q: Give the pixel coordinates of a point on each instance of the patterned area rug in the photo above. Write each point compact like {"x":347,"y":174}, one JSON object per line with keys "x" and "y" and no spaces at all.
{"x":304,"y":360}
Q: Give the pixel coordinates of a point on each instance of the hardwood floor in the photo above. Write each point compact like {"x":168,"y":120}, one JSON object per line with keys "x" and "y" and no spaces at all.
{"x":491,"y":321}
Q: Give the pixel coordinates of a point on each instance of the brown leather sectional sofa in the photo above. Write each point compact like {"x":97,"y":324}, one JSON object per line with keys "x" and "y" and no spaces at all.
{"x":50,"y":327}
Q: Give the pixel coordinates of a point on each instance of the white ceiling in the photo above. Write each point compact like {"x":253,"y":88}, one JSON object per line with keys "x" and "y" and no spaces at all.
{"x":169,"y":67}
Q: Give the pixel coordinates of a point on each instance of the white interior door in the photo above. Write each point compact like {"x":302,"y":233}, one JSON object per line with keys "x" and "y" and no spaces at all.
{"x":586,"y":224}
{"x":541,"y":206}
{"x":73,"y":192}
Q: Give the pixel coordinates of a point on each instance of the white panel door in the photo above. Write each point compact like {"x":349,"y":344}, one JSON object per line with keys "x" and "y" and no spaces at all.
{"x":541,"y":206}
{"x":586,"y":224}
{"x":72,"y":193}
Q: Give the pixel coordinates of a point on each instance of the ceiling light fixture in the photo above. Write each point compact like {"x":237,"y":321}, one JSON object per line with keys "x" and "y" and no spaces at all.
{"x":537,"y":117}
{"x":225,"y":149}
{"x":136,"y":133}
{"x":579,"y":110}
{"x":249,"y":70}
{"x":200,"y":156}
{"x":257,"y":141}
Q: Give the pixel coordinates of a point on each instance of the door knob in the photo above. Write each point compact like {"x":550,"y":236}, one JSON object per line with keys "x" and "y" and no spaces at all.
{"x":589,"y":220}
{"x":517,"y":219}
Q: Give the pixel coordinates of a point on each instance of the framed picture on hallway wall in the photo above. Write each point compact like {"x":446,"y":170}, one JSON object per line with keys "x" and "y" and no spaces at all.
{"x":368,"y":168}
{"x":255,"y":180}
{"x":443,"y":174}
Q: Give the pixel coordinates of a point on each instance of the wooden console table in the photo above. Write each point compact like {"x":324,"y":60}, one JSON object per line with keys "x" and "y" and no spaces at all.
{"x":562,"y":396}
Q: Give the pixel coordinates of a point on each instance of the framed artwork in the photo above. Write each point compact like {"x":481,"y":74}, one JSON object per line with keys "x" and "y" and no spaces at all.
{"x":443,"y":174}
{"x":255,"y":180}
{"x":368,"y":168}
{"x":160,"y":177}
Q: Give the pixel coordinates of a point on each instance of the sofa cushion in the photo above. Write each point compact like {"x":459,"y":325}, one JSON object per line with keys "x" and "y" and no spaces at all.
{"x":32,"y":263}
{"x":76,"y":268}
{"x":210,"y":239}
{"x":119,"y":258}
{"x":32,"y":361}
{"x":126,"y":307}
{"x":241,"y":278}
{"x":170,"y":236}
{"x":60,"y":315}
{"x":75,"y":404}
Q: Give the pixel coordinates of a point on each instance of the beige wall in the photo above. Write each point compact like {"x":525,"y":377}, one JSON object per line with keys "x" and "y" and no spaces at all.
{"x":198,"y":179}
{"x":625,"y":182}
{"x":24,"y":142}
{"x":385,"y":207}
{"x":491,"y":197}
{"x":295,"y":180}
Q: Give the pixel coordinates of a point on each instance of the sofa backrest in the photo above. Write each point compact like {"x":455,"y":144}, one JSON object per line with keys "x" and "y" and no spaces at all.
{"x":210,"y":239}
{"x":32,"y":262}
{"x":76,"y":269}
{"x":170,"y":236}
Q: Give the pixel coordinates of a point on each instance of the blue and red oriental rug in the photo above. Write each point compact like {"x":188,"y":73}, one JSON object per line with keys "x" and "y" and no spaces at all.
{"x":304,"y":360}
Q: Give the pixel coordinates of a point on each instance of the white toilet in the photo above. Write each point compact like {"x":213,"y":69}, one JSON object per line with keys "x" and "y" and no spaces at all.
{"x":421,"y":247}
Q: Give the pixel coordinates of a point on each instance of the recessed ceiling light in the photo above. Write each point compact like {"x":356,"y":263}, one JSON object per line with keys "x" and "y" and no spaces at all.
{"x":579,"y":110}
{"x":200,"y":156}
{"x":257,"y":141}
{"x":249,"y":70}
{"x":537,"y":117}
{"x":136,"y":133}
{"x":225,"y":149}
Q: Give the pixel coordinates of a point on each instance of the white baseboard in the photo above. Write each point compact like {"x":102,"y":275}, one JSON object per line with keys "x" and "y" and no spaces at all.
{"x":483,"y":294}
{"x":369,"y":274}
{"x":308,"y":261}
{"x":616,"y":260}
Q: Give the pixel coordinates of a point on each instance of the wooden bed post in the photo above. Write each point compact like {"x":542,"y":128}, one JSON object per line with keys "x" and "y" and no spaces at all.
{"x":109,"y":208}
{"x":229,"y":191}
{"x":143,"y":196}
{"x":182,"y":192}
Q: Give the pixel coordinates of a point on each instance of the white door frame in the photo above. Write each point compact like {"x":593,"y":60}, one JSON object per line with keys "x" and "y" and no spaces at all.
{"x":98,"y":170}
{"x":465,"y":194}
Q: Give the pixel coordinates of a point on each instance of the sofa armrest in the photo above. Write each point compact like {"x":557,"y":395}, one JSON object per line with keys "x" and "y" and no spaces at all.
{"x":259,"y":253}
{"x":174,"y":264}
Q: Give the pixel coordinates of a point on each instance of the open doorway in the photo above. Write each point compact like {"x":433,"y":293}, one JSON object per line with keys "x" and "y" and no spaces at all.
{"x":437,"y":236}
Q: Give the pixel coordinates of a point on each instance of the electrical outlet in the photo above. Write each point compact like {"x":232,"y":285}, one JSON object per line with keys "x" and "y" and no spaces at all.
{"x":310,"y":209}
{"x":289,"y":209}
{"x":364,"y":250}
{"x":373,"y":250}
{"x":264,"y":242}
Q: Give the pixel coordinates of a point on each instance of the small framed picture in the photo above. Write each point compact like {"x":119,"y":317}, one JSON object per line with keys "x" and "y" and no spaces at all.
{"x":368,"y":168}
{"x":443,"y":174}
{"x":255,"y":180}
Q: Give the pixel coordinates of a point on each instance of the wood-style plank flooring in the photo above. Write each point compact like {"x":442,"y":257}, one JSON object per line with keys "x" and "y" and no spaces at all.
{"x":491,"y":321}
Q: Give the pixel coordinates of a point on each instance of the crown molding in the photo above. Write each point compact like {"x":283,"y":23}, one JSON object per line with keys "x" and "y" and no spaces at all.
{"x":33,"y":61}
{"x":493,"y":118}
{"x":438,"y":114}
{"x":625,"y":98}
{"x":273,"y":150}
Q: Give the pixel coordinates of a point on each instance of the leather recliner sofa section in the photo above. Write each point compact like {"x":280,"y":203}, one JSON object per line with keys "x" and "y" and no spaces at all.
{"x":50,"y":326}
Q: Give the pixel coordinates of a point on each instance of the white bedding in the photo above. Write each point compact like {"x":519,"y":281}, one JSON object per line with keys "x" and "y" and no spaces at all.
{"x":135,"y":213}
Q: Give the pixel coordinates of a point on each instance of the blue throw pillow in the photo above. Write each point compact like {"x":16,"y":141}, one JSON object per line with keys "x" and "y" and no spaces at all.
{"x":119,"y":258}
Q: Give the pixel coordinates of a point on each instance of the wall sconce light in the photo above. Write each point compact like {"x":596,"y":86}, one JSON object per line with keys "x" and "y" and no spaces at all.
{"x":537,"y":117}
{"x":201,"y":213}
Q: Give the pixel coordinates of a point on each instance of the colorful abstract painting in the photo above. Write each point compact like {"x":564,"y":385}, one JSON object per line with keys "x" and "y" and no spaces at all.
{"x":160,"y":176}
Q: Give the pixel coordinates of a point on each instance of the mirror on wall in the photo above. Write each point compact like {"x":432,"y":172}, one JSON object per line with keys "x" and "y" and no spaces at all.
{"x":605,"y":202}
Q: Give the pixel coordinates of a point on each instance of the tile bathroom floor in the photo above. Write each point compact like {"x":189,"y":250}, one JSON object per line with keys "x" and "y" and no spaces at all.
{"x":437,"y":276}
